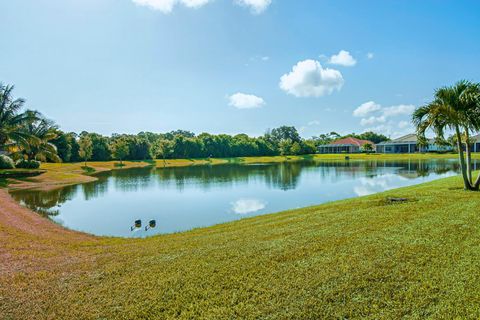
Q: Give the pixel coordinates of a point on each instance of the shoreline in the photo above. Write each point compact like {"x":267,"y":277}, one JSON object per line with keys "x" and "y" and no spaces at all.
{"x":58,"y":175}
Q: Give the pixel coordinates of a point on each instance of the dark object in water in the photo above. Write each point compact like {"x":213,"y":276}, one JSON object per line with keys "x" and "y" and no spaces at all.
{"x":138,"y":224}
{"x":151,"y":224}
{"x":347,"y":157}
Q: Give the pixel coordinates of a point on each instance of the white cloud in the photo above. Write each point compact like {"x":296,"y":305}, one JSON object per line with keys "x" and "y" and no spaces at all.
{"x":386,"y":120}
{"x":245,"y":101}
{"x":245,"y":206}
{"x":366,"y":108}
{"x":370,"y":55}
{"x":309,"y":79}
{"x":314,"y":123}
{"x":343,"y":58}
{"x":256,"y":6}
{"x":265,"y":58}
{"x":402,"y":109}
{"x":166,"y":6}
{"x":372,"y":120}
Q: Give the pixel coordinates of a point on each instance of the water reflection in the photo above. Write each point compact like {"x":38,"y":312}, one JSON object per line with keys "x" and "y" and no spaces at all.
{"x":245,"y":206}
{"x":184,"y":198}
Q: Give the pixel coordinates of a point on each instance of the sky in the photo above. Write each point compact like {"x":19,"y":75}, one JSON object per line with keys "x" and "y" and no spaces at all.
{"x":236,"y":66}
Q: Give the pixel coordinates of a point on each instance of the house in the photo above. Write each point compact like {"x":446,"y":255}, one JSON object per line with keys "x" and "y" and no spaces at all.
{"x":345,"y":145}
{"x":476,"y":143}
{"x":408,"y":144}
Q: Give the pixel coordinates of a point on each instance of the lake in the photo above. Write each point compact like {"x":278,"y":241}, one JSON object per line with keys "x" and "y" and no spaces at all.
{"x":180,"y":199}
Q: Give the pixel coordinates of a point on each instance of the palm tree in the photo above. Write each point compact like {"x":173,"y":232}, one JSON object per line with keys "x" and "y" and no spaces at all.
{"x":455,"y":108}
{"x":12,"y":121}
{"x":39,"y":148}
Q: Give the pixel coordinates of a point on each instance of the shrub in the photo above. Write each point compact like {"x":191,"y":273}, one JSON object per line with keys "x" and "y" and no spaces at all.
{"x":28,"y":164}
{"x":6,"y":162}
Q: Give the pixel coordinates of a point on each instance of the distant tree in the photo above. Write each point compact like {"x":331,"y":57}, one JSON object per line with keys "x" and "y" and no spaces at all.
{"x":100,"y":146}
{"x":296,"y":148}
{"x":285,"y":133}
{"x":73,"y":141}
{"x":85,"y":148}
{"x":162,"y":149}
{"x":372,"y":136}
{"x":139,"y":148}
{"x":120,"y":149}
{"x":367,"y":147}
{"x":285,"y":147}
{"x":325,"y":138}
{"x":63,"y":144}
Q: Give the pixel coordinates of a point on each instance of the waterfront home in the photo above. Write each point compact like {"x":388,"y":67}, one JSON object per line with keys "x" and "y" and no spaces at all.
{"x":345,"y":145}
{"x":409,"y":144}
{"x":476,"y":143}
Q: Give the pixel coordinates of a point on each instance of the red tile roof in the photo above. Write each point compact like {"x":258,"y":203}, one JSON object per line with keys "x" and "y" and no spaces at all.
{"x":353,"y":141}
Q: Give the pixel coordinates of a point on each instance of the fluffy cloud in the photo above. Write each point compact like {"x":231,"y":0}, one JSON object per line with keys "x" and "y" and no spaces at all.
{"x":256,"y":6}
{"x":366,"y":108}
{"x":166,"y":6}
{"x":245,"y":101}
{"x":370,"y":55}
{"x":245,"y":206}
{"x":380,"y":114}
{"x":386,"y":120}
{"x":403,"y":109}
{"x":390,"y":121}
{"x":372,"y":120}
{"x":309,"y":79}
{"x":343,"y":58}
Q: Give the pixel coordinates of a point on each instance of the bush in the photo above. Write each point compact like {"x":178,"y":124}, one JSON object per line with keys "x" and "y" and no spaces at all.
{"x":28,"y":164}
{"x":6,"y":162}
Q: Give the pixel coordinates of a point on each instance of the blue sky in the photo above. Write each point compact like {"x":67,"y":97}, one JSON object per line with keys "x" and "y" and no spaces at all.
{"x":236,"y":66}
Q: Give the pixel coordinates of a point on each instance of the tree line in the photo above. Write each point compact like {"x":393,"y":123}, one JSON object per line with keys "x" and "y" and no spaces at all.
{"x":28,"y":137}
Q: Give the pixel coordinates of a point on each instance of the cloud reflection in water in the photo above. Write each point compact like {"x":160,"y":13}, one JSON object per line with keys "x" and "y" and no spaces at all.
{"x":246,"y":206}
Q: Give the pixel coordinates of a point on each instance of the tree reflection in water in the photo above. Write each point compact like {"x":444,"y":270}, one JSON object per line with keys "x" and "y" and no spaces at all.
{"x":282,"y":176}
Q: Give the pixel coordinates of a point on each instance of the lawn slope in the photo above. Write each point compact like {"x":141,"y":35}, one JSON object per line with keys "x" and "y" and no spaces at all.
{"x":355,"y":258}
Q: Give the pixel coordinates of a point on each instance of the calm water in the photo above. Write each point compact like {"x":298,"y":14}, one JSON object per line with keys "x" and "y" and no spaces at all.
{"x":184,"y":198}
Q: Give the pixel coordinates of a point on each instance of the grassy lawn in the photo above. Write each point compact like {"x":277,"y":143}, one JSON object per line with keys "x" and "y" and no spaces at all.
{"x":358,"y":258}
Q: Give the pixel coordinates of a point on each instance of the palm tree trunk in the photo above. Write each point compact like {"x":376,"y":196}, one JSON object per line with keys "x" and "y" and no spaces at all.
{"x":476,"y":186}
{"x":466,"y":182}
{"x":469,"y":156}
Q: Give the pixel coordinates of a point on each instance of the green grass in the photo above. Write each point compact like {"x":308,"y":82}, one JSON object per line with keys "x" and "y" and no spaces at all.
{"x":357,"y":258}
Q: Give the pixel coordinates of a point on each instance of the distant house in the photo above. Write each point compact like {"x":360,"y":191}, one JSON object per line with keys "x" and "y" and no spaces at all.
{"x":408,"y":144}
{"x":476,"y":143}
{"x":345,"y":145}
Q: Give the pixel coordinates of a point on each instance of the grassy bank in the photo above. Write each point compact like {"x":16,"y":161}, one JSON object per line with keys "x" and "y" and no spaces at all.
{"x":61,"y":174}
{"x":355,"y":258}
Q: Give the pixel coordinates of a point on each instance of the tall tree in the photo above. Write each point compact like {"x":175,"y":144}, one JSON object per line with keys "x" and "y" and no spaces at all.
{"x":162,"y":148}
{"x":456,"y":108}
{"x":85,"y":150}
{"x":41,"y":148}
{"x":120,"y":149}
{"x":12,"y":120}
